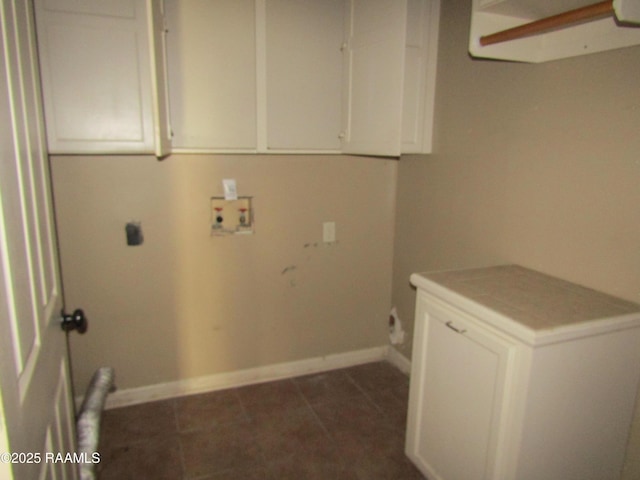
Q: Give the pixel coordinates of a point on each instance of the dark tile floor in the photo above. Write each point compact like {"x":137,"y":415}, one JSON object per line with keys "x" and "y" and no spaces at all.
{"x":345,"y":425}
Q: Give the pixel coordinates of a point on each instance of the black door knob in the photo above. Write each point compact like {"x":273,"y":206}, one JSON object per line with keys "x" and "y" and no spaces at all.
{"x":75,"y":321}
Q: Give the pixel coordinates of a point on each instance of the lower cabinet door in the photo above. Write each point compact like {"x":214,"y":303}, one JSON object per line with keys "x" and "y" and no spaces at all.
{"x":458,"y":384}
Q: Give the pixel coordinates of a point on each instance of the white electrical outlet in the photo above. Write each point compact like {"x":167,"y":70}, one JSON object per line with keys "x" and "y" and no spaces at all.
{"x":329,"y":232}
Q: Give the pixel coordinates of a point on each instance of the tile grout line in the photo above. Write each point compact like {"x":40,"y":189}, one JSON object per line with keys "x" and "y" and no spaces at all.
{"x":330,"y":437}
{"x":365,"y":393}
{"x":183,"y":466}
{"x":263,"y":454}
{"x":313,"y":411}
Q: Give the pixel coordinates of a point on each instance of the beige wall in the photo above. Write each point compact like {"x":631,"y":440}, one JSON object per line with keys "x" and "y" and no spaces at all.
{"x":535,"y":164}
{"x":185,"y":304}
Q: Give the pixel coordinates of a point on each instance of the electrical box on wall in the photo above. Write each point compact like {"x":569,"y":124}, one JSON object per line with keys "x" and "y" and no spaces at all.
{"x":231,"y":217}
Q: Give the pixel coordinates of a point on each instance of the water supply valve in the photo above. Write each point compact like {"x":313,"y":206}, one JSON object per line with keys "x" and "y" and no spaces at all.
{"x":231,"y":216}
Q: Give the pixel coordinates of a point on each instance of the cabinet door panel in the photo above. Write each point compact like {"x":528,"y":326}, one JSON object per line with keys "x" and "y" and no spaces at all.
{"x":455,"y":407}
{"x":212,"y":73}
{"x":96,"y":76}
{"x":375,"y":64}
{"x":83,"y":108}
{"x":304,"y":73}
{"x":458,"y":369}
{"x":95,"y":70}
{"x":113,"y":8}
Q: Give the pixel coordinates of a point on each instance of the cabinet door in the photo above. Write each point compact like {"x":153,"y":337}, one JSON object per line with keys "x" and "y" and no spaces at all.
{"x":374,"y":62}
{"x":419,"y":75}
{"x":160,"y":88}
{"x":212,"y":74}
{"x":94,"y":60}
{"x":458,"y":378}
{"x":304,"y":74}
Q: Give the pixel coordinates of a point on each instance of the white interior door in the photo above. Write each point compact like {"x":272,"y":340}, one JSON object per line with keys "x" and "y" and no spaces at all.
{"x":36,"y":416}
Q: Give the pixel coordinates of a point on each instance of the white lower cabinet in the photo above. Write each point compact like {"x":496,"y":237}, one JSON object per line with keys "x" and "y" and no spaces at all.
{"x":493,"y":398}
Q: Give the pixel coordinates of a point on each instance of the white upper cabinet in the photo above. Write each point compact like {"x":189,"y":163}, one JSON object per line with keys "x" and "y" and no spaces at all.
{"x":102,"y":70}
{"x":302,"y":76}
{"x":244,"y":76}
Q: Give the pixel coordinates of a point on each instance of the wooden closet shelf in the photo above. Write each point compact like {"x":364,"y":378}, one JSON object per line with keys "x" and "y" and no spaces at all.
{"x":572,"y":17}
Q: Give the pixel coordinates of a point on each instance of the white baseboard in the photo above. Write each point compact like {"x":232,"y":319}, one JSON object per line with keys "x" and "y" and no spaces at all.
{"x":221,"y":381}
{"x":402,"y":363}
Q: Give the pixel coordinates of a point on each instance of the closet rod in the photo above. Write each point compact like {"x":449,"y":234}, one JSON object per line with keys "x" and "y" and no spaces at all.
{"x":589,"y":12}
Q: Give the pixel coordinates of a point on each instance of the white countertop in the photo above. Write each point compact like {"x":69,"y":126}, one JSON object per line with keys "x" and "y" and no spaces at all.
{"x":530,"y":305}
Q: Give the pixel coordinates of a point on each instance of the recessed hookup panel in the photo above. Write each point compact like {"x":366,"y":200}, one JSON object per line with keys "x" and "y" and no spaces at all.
{"x":231,"y":217}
